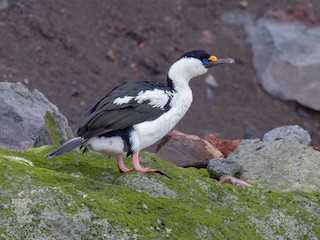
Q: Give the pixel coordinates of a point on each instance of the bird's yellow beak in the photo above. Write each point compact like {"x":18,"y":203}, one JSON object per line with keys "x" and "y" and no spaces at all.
{"x":212,"y":58}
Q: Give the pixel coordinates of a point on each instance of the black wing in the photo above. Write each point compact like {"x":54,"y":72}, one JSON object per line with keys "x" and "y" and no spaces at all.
{"x":106,"y":116}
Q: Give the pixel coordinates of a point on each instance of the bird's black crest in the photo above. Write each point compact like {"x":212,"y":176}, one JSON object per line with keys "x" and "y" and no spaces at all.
{"x":199,"y":54}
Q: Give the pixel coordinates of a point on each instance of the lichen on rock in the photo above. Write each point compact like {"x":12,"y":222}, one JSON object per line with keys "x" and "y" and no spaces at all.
{"x":83,"y":196}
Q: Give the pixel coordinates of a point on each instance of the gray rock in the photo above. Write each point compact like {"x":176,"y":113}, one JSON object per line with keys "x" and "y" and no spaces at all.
{"x":4,"y":4}
{"x":281,"y":164}
{"x":291,"y":132}
{"x":81,"y":224}
{"x":218,"y":167}
{"x":22,"y":116}
{"x":286,"y":56}
{"x":142,"y":183}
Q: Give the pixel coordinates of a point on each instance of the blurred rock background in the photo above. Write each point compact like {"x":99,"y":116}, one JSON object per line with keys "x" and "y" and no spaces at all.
{"x":75,"y":51}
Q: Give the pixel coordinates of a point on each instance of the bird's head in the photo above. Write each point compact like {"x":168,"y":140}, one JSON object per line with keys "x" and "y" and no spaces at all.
{"x":194,"y":63}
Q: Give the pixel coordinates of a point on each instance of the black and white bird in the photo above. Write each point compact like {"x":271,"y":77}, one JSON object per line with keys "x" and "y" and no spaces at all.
{"x":135,"y":115}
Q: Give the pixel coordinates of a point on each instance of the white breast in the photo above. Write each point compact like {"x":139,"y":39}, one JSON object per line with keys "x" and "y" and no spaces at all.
{"x":148,"y":133}
{"x":108,"y":146}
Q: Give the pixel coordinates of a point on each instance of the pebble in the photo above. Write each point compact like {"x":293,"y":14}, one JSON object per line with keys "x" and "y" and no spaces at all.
{"x":219,"y":167}
{"x":26,"y":81}
{"x":244,"y":4}
{"x":211,"y":81}
{"x":234,"y":181}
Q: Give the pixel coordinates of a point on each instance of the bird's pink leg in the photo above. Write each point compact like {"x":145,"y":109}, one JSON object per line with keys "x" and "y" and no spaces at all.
{"x":138,"y":168}
{"x":121,"y":166}
{"x":136,"y":164}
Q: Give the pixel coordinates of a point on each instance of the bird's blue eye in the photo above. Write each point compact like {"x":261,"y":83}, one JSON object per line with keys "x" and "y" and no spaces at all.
{"x":205,"y":60}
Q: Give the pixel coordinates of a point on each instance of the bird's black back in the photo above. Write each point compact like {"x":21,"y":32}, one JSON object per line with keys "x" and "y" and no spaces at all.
{"x":106,"y":116}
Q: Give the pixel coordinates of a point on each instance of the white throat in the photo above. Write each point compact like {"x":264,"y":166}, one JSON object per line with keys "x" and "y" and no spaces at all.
{"x":183,"y":70}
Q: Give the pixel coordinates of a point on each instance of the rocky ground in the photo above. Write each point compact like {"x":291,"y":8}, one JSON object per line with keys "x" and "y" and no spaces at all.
{"x":76,"y":51}
{"x":78,"y":196}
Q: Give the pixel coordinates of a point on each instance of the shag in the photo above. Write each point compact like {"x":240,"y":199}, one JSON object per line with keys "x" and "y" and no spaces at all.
{"x":135,"y":115}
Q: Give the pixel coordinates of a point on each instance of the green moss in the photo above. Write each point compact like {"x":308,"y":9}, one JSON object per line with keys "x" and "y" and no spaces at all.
{"x":52,"y":128}
{"x":86,"y":191}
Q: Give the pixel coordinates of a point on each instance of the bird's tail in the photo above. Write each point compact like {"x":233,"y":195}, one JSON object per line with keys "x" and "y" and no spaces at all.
{"x":67,"y":147}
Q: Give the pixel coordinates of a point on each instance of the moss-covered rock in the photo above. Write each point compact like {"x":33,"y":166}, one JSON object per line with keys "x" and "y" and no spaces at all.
{"x":57,"y":127}
{"x":78,"y":196}
{"x":29,"y":119}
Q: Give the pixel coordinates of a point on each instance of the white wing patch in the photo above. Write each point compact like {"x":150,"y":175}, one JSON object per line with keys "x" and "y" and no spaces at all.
{"x":156,"y":97}
{"x":122,"y":100}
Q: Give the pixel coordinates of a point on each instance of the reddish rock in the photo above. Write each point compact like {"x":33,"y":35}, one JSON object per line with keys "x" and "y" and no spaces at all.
{"x":303,"y":12}
{"x":186,"y":150}
{"x":234,"y":181}
{"x":225,"y":146}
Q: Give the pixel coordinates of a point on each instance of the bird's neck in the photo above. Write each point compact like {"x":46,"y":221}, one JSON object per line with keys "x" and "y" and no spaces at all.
{"x":180,"y":74}
{"x":178,"y":86}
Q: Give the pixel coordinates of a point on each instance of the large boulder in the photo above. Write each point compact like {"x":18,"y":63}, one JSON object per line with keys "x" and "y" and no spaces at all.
{"x":83,"y":196}
{"x":280,"y":164}
{"x":28,"y":119}
{"x":286,"y":56}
